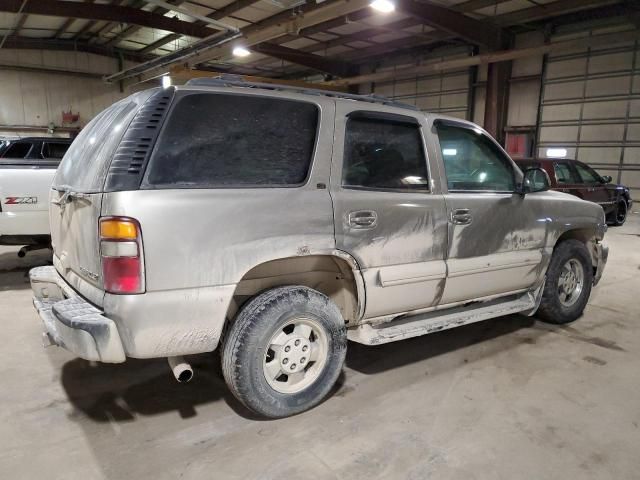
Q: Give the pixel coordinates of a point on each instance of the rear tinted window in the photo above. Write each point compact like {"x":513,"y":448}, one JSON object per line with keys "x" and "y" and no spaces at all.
{"x":54,"y":149}
{"x":563,"y":173}
{"x":222,"y":140}
{"x":382,"y":154}
{"x":85,"y":164}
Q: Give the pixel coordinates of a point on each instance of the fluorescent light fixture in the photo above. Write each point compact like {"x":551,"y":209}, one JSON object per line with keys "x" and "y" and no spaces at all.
{"x":449,"y":152}
{"x":556,"y":152}
{"x":241,"y":52}
{"x":166,"y":81}
{"x":384,"y":6}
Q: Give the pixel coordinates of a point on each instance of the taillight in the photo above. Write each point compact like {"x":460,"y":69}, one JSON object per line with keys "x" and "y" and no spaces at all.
{"x":121,"y":251}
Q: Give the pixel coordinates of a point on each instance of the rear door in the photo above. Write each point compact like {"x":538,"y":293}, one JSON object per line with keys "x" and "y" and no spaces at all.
{"x":387,"y":212}
{"x":76,"y":197}
{"x":591,"y":186}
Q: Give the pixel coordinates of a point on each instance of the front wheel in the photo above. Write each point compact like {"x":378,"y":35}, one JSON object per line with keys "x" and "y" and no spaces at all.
{"x":568,"y":284}
{"x":284,"y":351}
{"x":620,"y":213}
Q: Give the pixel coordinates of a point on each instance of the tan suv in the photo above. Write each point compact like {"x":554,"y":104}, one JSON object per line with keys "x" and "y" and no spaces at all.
{"x":276,"y":223}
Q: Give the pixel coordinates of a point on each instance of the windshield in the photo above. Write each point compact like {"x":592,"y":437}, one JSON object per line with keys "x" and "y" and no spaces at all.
{"x":85,"y":164}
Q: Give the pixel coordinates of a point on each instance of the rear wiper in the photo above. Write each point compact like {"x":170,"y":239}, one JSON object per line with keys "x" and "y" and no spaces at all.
{"x":68,"y":195}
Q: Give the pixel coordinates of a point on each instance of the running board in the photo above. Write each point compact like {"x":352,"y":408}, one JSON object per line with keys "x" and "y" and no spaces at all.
{"x":437,"y":320}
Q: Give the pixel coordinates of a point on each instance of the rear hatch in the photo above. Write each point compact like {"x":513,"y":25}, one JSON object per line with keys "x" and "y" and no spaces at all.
{"x":76,"y":197}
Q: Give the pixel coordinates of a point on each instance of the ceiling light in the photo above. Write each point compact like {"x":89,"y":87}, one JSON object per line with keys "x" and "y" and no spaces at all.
{"x":241,"y":52}
{"x":166,"y":81}
{"x":556,"y":152}
{"x":449,"y":152}
{"x":384,"y":6}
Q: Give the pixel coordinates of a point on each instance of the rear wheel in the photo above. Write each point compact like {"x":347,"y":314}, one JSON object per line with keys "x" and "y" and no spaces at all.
{"x":620,"y":213}
{"x":285,"y":351}
{"x":568,"y":284}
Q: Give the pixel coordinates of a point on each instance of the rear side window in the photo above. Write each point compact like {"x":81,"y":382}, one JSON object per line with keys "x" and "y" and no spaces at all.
{"x":384,"y":155}
{"x":563,"y":173}
{"x":18,"y":150}
{"x":85,"y":165}
{"x":222,"y":140}
{"x":54,"y":149}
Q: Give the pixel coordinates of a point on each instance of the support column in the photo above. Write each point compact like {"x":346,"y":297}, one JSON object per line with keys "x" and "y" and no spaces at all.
{"x":497,"y":99}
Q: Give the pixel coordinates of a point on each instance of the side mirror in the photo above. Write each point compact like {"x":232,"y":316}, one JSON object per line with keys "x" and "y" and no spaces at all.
{"x":535,"y":179}
{"x":606,"y":179}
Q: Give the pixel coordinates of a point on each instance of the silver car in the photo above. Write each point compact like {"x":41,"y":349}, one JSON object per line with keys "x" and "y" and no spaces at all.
{"x":276,"y":223}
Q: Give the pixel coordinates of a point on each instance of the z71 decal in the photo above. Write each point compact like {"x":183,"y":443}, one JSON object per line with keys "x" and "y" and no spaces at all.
{"x":20,"y":200}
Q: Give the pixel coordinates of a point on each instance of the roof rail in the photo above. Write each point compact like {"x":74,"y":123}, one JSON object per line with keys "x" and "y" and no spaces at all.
{"x":227,"y":80}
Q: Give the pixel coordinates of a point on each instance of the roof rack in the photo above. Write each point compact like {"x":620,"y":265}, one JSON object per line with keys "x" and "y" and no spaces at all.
{"x":227,"y":80}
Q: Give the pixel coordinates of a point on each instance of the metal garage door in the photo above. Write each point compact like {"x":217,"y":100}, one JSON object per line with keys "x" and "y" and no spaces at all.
{"x":590,"y":106}
{"x":445,"y":93}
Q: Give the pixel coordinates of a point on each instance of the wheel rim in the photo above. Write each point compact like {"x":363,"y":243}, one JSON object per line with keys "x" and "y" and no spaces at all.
{"x":621,"y":214}
{"x":571,"y":282}
{"x":295,"y":355}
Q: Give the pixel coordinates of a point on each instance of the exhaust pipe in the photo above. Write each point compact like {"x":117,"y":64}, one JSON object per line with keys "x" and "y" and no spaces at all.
{"x":181,"y":369}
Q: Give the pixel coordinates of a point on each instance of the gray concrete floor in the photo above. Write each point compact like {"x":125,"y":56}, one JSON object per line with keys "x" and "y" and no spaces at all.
{"x":510,"y":398}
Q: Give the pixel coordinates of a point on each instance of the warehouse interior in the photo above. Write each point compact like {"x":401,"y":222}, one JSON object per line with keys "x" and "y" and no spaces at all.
{"x":510,"y":397}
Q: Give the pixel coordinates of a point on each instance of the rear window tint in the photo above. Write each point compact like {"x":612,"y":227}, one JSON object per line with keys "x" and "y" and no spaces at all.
{"x":222,"y":140}
{"x":54,"y":149}
{"x":85,"y":164}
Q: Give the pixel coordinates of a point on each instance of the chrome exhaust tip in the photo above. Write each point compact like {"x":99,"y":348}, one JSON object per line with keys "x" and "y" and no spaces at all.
{"x":181,"y":370}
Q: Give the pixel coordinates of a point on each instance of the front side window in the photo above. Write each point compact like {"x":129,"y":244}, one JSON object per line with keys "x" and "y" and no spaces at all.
{"x":473,"y":162}
{"x":384,"y":154}
{"x":563,"y":173}
{"x":586,"y":174}
{"x":225,"y":140}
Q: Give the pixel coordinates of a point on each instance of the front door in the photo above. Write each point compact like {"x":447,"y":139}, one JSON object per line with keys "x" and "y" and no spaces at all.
{"x":495,"y":242}
{"x":388,"y":214}
{"x":591,"y":186}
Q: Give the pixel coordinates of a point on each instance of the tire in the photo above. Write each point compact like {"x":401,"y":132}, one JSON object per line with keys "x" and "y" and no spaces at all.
{"x":300,"y":320}
{"x":556,"y":305}
{"x":620,"y":214}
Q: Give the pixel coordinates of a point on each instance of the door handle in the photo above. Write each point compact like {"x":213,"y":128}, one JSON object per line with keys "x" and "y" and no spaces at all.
{"x":460,"y":216}
{"x":363,"y":219}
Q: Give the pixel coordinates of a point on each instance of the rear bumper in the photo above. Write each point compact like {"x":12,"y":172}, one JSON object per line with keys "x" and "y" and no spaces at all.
{"x":602,"y":255}
{"x":71,"y":322}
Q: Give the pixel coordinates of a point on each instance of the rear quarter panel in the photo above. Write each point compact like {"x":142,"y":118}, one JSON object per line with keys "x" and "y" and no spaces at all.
{"x":199,"y":243}
{"x":24,"y":195}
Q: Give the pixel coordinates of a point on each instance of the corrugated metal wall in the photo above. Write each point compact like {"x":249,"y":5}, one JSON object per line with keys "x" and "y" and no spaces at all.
{"x":591,"y":106}
{"x":37,"y":99}
{"x":445,"y":93}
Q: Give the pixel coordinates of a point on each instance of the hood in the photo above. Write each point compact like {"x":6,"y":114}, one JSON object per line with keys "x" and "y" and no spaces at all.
{"x":577,"y":213}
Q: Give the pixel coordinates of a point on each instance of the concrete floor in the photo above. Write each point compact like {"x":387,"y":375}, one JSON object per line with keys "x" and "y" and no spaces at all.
{"x":510,"y":398}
